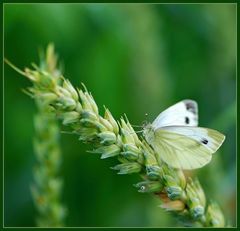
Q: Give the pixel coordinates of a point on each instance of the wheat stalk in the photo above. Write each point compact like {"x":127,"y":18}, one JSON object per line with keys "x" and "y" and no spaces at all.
{"x":77,"y":110}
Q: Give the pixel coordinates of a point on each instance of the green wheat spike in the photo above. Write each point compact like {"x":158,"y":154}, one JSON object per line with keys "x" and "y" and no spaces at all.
{"x":77,"y":109}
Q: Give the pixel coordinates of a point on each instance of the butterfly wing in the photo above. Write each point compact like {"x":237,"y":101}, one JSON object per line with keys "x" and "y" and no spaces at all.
{"x":186,"y":147}
{"x":183,"y":113}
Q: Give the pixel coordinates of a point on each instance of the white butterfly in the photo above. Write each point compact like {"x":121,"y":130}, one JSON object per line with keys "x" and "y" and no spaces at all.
{"x":178,"y":141}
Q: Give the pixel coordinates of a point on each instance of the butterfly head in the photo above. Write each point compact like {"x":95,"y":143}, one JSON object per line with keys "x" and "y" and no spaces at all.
{"x":148,"y":132}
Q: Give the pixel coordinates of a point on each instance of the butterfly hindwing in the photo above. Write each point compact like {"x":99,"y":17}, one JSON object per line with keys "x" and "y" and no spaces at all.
{"x":186,"y":147}
{"x":209,"y":138}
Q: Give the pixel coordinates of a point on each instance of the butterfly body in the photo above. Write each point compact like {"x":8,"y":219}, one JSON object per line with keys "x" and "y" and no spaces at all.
{"x":178,"y":141}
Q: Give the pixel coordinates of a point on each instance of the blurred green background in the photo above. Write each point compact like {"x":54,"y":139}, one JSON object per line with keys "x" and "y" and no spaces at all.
{"x":135,"y":59}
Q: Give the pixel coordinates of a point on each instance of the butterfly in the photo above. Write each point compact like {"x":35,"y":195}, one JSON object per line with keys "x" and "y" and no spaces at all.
{"x":178,"y":141}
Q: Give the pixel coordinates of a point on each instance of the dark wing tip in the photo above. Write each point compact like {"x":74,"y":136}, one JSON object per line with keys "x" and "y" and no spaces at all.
{"x":191,"y":106}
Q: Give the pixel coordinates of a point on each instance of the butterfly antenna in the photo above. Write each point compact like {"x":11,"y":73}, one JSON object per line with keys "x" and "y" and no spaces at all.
{"x":139,"y":131}
{"x":137,"y":126}
{"x":67,"y":132}
{"x":136,"y":132}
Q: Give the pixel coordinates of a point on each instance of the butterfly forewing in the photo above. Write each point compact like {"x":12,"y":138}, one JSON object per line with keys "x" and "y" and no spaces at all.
{"x":184,"y":113}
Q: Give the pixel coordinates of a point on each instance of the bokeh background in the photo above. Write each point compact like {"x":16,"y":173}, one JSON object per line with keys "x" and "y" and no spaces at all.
{"x":135,"y":59}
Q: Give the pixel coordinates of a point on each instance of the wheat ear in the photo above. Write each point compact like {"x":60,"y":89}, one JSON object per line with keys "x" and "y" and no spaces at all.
{"x":76,"y":108}
{"x":47,"y":186}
